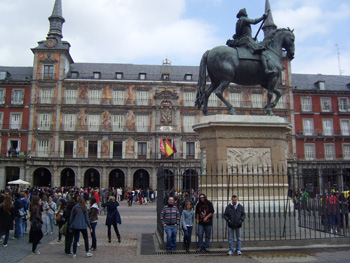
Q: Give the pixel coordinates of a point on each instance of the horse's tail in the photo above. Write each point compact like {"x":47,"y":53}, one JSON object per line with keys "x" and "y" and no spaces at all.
{"x":202,"y":79}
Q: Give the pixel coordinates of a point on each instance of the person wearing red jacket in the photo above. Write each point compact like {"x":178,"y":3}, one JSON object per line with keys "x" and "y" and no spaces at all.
{"x":333,"y":211}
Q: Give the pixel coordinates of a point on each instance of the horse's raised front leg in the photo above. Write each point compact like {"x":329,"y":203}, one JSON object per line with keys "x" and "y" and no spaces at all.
{"x":219,"y":93}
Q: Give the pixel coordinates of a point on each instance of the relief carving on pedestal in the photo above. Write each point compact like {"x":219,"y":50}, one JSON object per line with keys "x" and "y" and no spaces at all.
{"x":256,"y":157}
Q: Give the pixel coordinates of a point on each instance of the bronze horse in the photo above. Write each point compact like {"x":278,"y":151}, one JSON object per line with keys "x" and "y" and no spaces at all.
{"x":224,"y":66}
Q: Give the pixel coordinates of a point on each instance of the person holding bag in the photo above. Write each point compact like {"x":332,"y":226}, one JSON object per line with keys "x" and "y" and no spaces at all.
{"x":93,"y":221}
{"x":50,"y":209}
{"x":65,"y":228}
{"x":7,"y":216}
{"x":35,"y":233}
{"x":59,"y":217}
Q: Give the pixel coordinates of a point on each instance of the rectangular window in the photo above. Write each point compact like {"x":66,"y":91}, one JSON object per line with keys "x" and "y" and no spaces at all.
{"x":3,"y":74}
{"x":326,"y":105}
{"x":92,"y":149}
{"x":141,"y":150}
{"x":309,"y":149}
{"x":44,"y":121}
{"x":346,"y":151}
{"x":306,"y":104}
{"x":329,"y":152}
{"x":1,"y":119}
{"x":17,"y":96}
{"x":327,"y":127}
{"x":2,"y":96}
{"x":45,"y":96}
{"x":97,"y":75}
{"x":118,"y":149}
{"x":93,"y":122}
{"x":94,"y":96}
{"x":235,"y":99}
{"x":68,"y":149}
{"x":118,"y":97}
{"x":189,"y":99}
{"x":165,"y":76}
{"x":70,"y":96}
{"x":118,"y":123}
{"x":16,"y":121}
{"x":119,"y":75}
{"x":48,"y":71}
{"x":188,"y":122}
{"x":343,"y":104}
{"x":345,"y":127}
{"x":69,"y":122}
{"x":188,"y":77}
{"x":257,"y":101}
{"x":75,"y":75}
{"x":42,"y":148}
{"x":190,"y":152}
{"x":213,"y":100}
{"x":308,"y":125}
{"x":142,"y":76}
{"x":142,"y":123}
{"x":142,"y":98}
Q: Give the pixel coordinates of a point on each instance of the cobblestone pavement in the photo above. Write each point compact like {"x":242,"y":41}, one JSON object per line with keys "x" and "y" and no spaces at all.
{"x":137,"y":220}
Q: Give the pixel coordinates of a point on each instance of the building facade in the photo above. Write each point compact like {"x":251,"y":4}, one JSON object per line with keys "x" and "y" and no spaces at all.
{"x":322,"y":129}
{"x":97,"y":124}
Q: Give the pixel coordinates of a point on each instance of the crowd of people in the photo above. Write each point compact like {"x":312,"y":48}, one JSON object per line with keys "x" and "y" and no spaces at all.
{"x":331,"y":206}
{"x":74,"y":210}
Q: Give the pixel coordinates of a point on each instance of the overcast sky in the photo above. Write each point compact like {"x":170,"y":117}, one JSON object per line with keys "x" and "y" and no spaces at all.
{"x":148,"y":31}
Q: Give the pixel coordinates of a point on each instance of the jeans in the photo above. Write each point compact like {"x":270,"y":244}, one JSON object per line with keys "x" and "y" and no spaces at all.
{"x":49,"y":221}
{"x":69,"y":241}
{"x":171,"y":232}
{"x":19,"y":227}
{"x":7,"y":234}
{"x":187,"y":235}
{"x":201,"y":230}
{"x":93,"y":235}
{"x":231,"y":233}
{"x":76,"y":233}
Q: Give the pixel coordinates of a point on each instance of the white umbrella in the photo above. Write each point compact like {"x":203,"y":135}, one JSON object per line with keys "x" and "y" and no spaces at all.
{"x":19,"y":181}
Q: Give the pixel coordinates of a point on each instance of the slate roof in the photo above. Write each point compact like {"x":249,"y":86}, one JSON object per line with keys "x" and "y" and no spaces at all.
{"x":131,"y":71}
{"x":332,"y":82}
{"x":18,"y":73}
{"x":177,"y":73}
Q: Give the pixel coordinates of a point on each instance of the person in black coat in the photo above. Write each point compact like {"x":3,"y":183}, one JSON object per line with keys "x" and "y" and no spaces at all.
{"x":36,"y":233}
{"x":234,"y":216}
{"x":7,"y":216}
{"x":113,"y":217}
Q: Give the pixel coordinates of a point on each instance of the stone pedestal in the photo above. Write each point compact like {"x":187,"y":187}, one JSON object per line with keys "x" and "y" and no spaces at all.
{"x":247,"y":153}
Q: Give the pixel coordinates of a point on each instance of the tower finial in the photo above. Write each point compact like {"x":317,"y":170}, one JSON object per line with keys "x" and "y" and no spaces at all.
{"x":56,"y":20}
{"x":269,"y":25}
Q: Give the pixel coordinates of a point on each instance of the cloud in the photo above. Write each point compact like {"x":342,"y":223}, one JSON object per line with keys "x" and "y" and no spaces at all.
{"x":133,"y":31}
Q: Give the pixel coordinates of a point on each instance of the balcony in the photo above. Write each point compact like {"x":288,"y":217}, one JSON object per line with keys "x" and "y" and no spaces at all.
{"x":307,"y":109}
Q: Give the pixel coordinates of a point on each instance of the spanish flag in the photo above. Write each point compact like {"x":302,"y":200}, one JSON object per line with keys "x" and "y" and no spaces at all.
{"x":168,"y":149}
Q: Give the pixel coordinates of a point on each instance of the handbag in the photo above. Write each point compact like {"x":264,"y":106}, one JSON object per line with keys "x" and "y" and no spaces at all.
{"x":36,"y":225}
{"x":64,"y":229}
{"x":58,"y":217}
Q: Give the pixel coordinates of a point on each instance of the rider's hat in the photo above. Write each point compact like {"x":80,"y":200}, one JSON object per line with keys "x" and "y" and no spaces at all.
{"x":242,"y":12}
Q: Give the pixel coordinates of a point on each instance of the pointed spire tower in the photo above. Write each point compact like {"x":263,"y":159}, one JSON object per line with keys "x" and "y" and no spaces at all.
{"x":56,"y":21}
{"x":269,"y":25}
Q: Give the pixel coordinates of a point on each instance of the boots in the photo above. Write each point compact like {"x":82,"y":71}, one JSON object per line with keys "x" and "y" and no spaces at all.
{"x":119,"y":238}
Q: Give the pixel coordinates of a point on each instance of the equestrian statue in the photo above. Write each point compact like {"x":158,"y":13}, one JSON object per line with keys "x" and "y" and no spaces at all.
{"x":245,"y":61}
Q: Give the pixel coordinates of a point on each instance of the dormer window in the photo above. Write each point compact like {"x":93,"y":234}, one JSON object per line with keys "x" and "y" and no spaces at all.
{"x":97,"y":75}
{"x":75,"y":75}
{"x":165,"y":76}
{"x":119,"y":75}
{"x":3,"y":75}
{"x":188,"y":77}
{"x":142,"y":76}
{"x":321,"y":85}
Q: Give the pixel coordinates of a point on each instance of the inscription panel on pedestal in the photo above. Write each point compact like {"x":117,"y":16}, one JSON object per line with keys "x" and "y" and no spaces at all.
{"x":249,"y":156}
